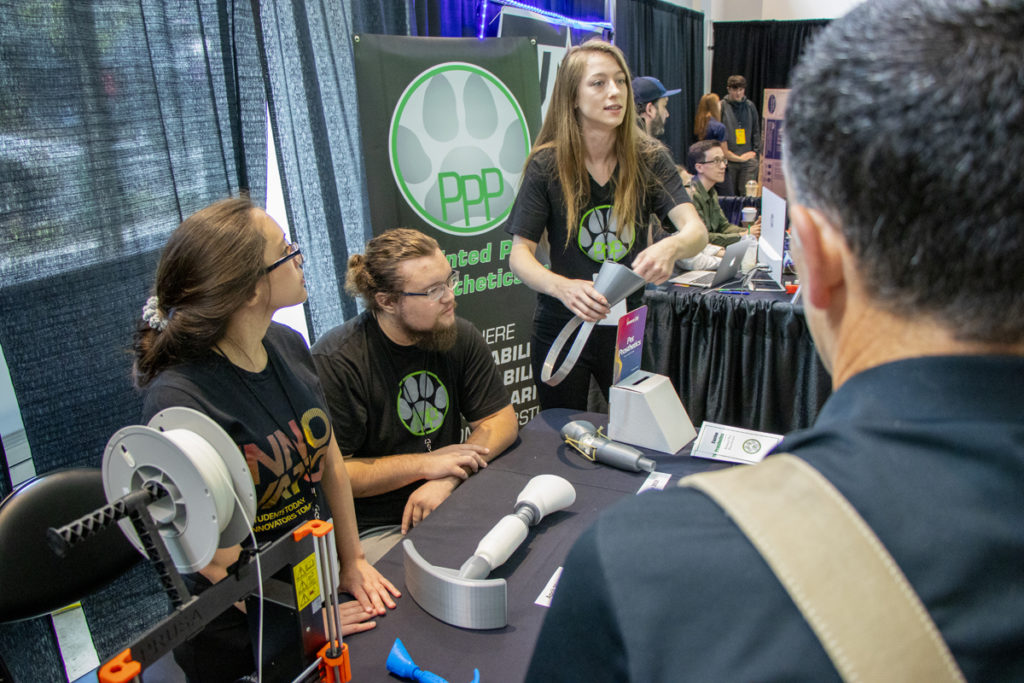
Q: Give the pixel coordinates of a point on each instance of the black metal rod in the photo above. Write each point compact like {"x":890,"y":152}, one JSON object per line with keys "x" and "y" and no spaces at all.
{"x":68,"y":536}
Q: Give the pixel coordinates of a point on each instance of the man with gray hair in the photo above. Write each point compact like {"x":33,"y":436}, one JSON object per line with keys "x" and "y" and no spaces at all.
{"x":908,"y":234}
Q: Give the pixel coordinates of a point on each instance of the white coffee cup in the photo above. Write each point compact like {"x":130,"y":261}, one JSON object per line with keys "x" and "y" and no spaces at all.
{"x":749,"y":214}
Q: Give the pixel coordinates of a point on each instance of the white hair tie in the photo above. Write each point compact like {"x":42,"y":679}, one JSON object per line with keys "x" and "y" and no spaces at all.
{"x":151,"y":314}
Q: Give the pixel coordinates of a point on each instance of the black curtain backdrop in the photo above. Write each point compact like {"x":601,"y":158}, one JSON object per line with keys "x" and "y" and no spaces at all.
{"x":747,"y":361}
{"x":667,"y":42}
{"x":762,"y":51}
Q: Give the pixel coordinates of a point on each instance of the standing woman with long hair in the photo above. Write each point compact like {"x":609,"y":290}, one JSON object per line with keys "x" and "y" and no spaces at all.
{"x":592,"y":182}
{"x":207,"y":342}
{"x":707,"y":123}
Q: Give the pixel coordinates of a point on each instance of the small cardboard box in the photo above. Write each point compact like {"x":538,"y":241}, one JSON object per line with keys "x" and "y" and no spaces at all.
{"x":645,"y":410}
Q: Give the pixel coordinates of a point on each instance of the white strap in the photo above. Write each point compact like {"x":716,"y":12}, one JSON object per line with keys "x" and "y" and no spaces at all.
{"x":554,"y":378}
{"x":849,"y":589}
{"x":615,"y":282}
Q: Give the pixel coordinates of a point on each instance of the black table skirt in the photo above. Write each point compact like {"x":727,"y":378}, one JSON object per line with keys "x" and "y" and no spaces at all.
{"x":746,"y":361}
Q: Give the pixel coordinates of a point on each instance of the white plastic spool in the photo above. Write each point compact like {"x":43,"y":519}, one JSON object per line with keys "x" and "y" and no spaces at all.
{"x":197,"y":464}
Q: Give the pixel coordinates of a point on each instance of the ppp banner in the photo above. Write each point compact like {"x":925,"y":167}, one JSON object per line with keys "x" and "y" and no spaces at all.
{"x":447,"y":124}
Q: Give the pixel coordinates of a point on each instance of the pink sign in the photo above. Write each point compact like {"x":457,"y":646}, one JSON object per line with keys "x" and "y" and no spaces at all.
{"x":630,"y":346}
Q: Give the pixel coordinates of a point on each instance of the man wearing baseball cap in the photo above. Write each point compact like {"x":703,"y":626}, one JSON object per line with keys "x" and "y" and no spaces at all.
{"x":651,"y":99}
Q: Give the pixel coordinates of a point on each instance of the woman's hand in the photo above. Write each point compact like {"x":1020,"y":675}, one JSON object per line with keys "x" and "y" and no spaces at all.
{"x":354,"y":618}
{"x":655,"y":263}
{"x":580,"y":297}
{"x":367,"y":586}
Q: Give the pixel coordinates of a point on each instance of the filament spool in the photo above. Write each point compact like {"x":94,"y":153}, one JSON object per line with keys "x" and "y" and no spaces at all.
{"x":210,"y":500}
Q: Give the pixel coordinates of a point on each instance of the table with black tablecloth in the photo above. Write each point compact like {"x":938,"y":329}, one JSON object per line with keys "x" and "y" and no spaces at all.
{"x":450,"y":535}
{"x":747,"y":361}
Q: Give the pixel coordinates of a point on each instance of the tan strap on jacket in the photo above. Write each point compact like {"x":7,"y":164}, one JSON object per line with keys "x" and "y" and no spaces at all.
{"x":849,"y":589}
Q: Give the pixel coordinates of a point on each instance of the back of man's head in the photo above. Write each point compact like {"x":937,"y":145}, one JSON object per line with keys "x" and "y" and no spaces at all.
{"x":908,"y":115}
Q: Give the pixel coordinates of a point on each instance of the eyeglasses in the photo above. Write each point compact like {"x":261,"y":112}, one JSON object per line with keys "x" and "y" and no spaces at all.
{"x":721,"y":161}
{"x":293,"y":251}
{"x":435,"y":292}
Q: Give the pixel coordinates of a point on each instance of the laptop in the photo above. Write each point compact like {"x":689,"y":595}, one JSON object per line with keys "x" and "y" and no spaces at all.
{"x":728,"y":269}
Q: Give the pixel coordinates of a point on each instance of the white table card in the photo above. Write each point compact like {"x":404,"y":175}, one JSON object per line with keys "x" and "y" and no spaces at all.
{"x":733,"y":444}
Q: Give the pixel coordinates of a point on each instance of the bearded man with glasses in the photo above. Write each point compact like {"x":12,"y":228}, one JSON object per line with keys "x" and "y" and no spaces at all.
{"x":400,"y":378}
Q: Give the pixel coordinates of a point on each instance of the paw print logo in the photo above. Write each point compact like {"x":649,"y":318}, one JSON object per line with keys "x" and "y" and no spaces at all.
{"x":422,"y":402}
{"x":597,"y":239}
{"x":457,"y":143}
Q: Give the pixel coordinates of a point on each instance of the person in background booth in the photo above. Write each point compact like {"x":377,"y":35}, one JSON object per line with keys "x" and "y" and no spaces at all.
{"x":399,"y":380}
{"x":207,"y":342}
{"x":742,"y":136}
{"x":706,"y":161}
{"x":591,"y":183}
{"x":920,"y":322}
{"x":651,"y":99}
{"x":707,"y":123}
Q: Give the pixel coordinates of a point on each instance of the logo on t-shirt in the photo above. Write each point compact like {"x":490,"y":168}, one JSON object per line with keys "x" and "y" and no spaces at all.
{"x":422,"y":402}
{"x":457,"y":143}
{"x":597,"y":236}
{"x":285,"y":468}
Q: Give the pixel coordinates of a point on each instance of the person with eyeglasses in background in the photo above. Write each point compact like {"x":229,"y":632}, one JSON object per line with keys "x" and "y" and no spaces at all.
{"x":707,"y":162}
{"x":206,"y":341}
{"x":400,"y":378}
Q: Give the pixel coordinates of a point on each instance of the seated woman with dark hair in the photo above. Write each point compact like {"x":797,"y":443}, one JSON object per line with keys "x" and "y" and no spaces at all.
{"x":207,"y":342}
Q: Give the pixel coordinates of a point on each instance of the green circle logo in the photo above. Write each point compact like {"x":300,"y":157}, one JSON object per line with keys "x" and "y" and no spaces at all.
{"x":457,"y":144}
{"x":751,"y":446}
{"x":597,"y":236}
{"x":422,"y":402}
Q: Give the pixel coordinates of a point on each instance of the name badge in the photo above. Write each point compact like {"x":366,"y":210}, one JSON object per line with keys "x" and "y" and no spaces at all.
{"x":741,"y":136}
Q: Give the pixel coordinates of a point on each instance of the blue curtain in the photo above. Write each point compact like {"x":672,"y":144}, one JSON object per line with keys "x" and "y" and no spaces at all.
{"x":312,"y":101}
{"x":120,"y":119}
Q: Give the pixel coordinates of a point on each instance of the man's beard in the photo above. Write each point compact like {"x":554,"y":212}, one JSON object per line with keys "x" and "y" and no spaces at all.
{"x":656,"y":128}
{"x":440,"y":338}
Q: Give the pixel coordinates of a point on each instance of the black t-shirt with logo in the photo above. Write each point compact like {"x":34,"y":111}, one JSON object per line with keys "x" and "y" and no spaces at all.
{"x":540,"y":206}
{"x":387,"y":399}
{"x":277,"y":417}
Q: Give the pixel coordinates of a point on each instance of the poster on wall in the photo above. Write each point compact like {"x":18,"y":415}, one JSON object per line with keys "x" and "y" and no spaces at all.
{"x":447,"y":124}
{"x":771,"y":161}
